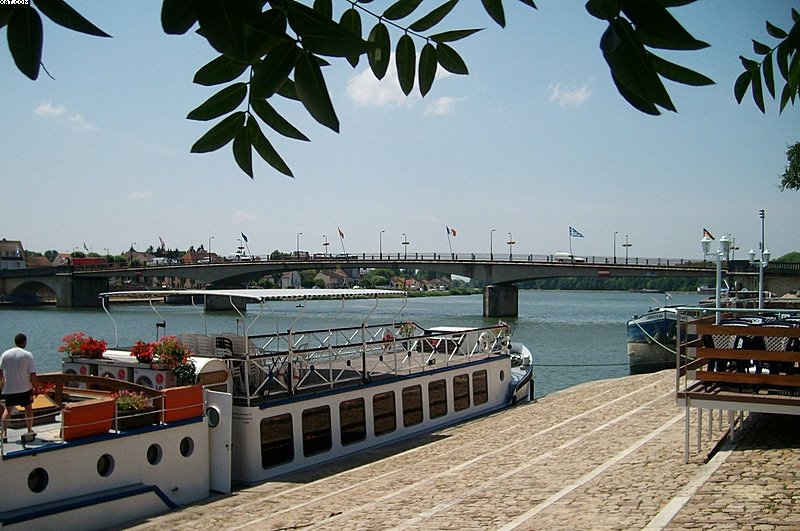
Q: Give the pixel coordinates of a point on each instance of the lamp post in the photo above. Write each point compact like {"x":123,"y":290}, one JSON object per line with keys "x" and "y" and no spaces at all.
{"x":511,"y":243}
{"x":627,"y":246}
{"x":724,"y":249}
{"x":209,"y":248}
{"x":615,"y":247}
{"x":325,"y":244}
{"x":298,"y":245}
{"x":762,"y":262}
{"x":405,"y":246}
{"x":491,"y":244}
{"x":380,"y":244}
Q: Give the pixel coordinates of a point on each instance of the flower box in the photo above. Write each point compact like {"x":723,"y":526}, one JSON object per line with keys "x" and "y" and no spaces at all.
{"x":135,"y":418}
{"x":83,"y":419}
{"x":183,"y":402}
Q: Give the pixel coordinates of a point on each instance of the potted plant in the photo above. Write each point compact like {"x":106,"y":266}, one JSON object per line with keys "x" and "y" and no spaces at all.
{"x":171,"y":352}
{"x":143,"y":352}
{"x":79,"y":345}
{"x":134,"y":410}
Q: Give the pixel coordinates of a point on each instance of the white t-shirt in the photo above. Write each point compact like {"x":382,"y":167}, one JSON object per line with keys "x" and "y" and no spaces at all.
{"x":17,"y":365}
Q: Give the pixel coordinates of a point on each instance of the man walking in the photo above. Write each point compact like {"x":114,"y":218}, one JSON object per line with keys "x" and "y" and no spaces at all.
{"x":18,"y":374}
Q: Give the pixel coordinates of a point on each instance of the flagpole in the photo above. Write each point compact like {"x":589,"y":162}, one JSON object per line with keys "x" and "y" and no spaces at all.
{"x":449,"y":244}
{"x":341,"y":239}
{"x":570,"y":242}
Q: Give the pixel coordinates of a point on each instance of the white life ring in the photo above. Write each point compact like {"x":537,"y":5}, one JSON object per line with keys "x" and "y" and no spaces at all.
{"x":282,"y":375}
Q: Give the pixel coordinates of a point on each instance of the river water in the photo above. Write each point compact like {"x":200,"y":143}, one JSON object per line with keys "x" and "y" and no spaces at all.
{"x":575,"y":336}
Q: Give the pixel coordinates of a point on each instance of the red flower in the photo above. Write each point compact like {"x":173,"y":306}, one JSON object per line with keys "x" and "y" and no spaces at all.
{"x":80,"y":345}
{"x":143,"y":352}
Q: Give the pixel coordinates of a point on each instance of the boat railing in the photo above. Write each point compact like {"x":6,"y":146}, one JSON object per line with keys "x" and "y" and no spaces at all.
{"x":324,"y":359}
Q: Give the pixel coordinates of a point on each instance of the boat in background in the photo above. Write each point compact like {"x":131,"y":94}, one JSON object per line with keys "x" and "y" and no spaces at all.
{"x":651,"y":340}
{"x":264,"y":405}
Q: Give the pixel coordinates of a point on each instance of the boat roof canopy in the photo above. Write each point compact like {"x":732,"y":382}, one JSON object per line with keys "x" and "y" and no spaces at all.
{"x":262,"y":295}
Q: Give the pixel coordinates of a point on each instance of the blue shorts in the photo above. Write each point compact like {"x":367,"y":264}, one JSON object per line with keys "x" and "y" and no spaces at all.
{"x":19,"y":399}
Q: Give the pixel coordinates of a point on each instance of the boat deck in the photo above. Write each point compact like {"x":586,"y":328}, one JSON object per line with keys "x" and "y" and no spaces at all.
{"x":603,"y":455}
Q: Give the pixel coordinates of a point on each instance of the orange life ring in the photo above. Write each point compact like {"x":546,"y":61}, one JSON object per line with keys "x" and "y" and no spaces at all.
{"x":388,"y":337}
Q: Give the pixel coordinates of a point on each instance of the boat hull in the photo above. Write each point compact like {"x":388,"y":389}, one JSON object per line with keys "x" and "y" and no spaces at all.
{"x":651,"y":341}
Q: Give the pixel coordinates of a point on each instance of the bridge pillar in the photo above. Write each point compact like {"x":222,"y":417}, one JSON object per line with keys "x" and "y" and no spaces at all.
{"x":218,"y":303}
{"x":80,"y":292}
{"x":500,"y":301}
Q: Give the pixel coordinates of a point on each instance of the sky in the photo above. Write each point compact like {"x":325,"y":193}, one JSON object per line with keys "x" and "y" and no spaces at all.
{"x":534,"y":140}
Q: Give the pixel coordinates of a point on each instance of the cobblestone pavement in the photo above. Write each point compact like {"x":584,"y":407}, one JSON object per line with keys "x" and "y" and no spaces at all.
{"x":602,"y":455}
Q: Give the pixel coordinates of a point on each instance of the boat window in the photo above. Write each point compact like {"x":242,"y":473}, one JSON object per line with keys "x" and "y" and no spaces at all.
{"x":352,"y":420}
{"x":383,"y":413}
{"x":412,"y":405}
{"x":437,"y":398}
{"x":154,"y":454}
{"x":316,"y":430}
{"x":38,"y":480}
{"x":480,"y":388}
{"x":277,"y":445}
{"x":187,"y":446}
{"x":461,"y":392}
{"x":105,"y":465}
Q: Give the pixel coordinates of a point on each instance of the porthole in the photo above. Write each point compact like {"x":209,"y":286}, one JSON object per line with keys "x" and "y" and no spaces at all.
{"x":212,"y":414}
{"x":38,"y":479}
{"x":187,"y":446}
{"x":502,"y":375}
{"x":154,"y":453}
{"x":105,"y":465}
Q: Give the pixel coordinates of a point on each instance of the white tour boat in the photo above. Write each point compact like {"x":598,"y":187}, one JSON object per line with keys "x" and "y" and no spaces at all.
{"x":264,"y":405}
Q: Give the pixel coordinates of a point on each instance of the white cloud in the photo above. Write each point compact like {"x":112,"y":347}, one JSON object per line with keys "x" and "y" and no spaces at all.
{"x":48,"y":110}
{"x":241,"y":216}
{"x":442,"y":106}
{"x":364,"y":89}
{"x":572,"y":97}
{"x":137,"y":196}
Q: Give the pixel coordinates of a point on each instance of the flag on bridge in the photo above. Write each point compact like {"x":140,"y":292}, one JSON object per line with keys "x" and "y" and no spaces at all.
{"x":706,"y":233}
{"x":341,"y":234}
{"x":450,"y":232}
{"x":573,"y":233}
{"x":85,"y":248}
{"x":244,"y":237}
{"x":160,"y":239}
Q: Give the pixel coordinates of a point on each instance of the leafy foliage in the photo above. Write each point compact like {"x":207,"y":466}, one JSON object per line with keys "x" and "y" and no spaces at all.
{"x":275,"y":51}
{"x":760,"y":74}
{"x":791,"y":176}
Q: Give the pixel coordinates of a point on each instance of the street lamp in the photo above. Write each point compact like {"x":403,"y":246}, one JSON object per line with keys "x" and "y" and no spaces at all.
{"x":380,"y":244}
{"x":626,"y":245}
{"x":325,"y":244}
{"x":511,"y":243}
{"x":491,"y":244}
{"x":724,"y":249}
{"x":298,"y":245}
{"x":615,"y":247}
{"x":762,"y":262}
{"x":405,"y":245}
{"x":209,"y":248}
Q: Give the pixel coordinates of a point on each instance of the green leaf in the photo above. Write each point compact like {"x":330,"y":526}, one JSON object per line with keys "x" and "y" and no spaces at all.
{"x":760,"y":49}
{"x":787,"y":94}
{"x":219,"y":70}
{"x":452,"y":36}
{"x":265,"y":149}
{"x":494,"y":8}
{"x":324,"y":8}
{"x":405,"y":60}
{"x":351,"y":21}
{"x":270,"y":116}
{"x":427,"y":68}
{"x":220,"y":103}
{"x":178,"y":16}
{"x":740,"y":87}
{"x":657,"y":27}
{"x":311,"y":89}
{"x":758,"y":95}
{"x":271,"y":73}
{"x":775,"y":31}
{"x":323,"y":36}
{"x":220,"y":134}
{"x":644,"y":105}
{"x":242,"y":153}
{"x":631,"y":66}
{"x":25,"y":38}
{"x":64,"y":15}
{"x":678,"y":73}
{"x":782,"y":58}
{"x":528,"y":3}
{"x":401,"y":9}
{"x":450,"y":60}
{"x":749,"y":64}
{"x":603,"y":9}
{"x":769,"y":75}
{"x":223,"y":25}
{"x":288,"y":91}
{"x":434,"y":17}
{"x":379,"y":55}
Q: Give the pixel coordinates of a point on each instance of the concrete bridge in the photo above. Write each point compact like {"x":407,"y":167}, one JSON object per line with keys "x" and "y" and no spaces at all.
{"x":78,"y":287}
